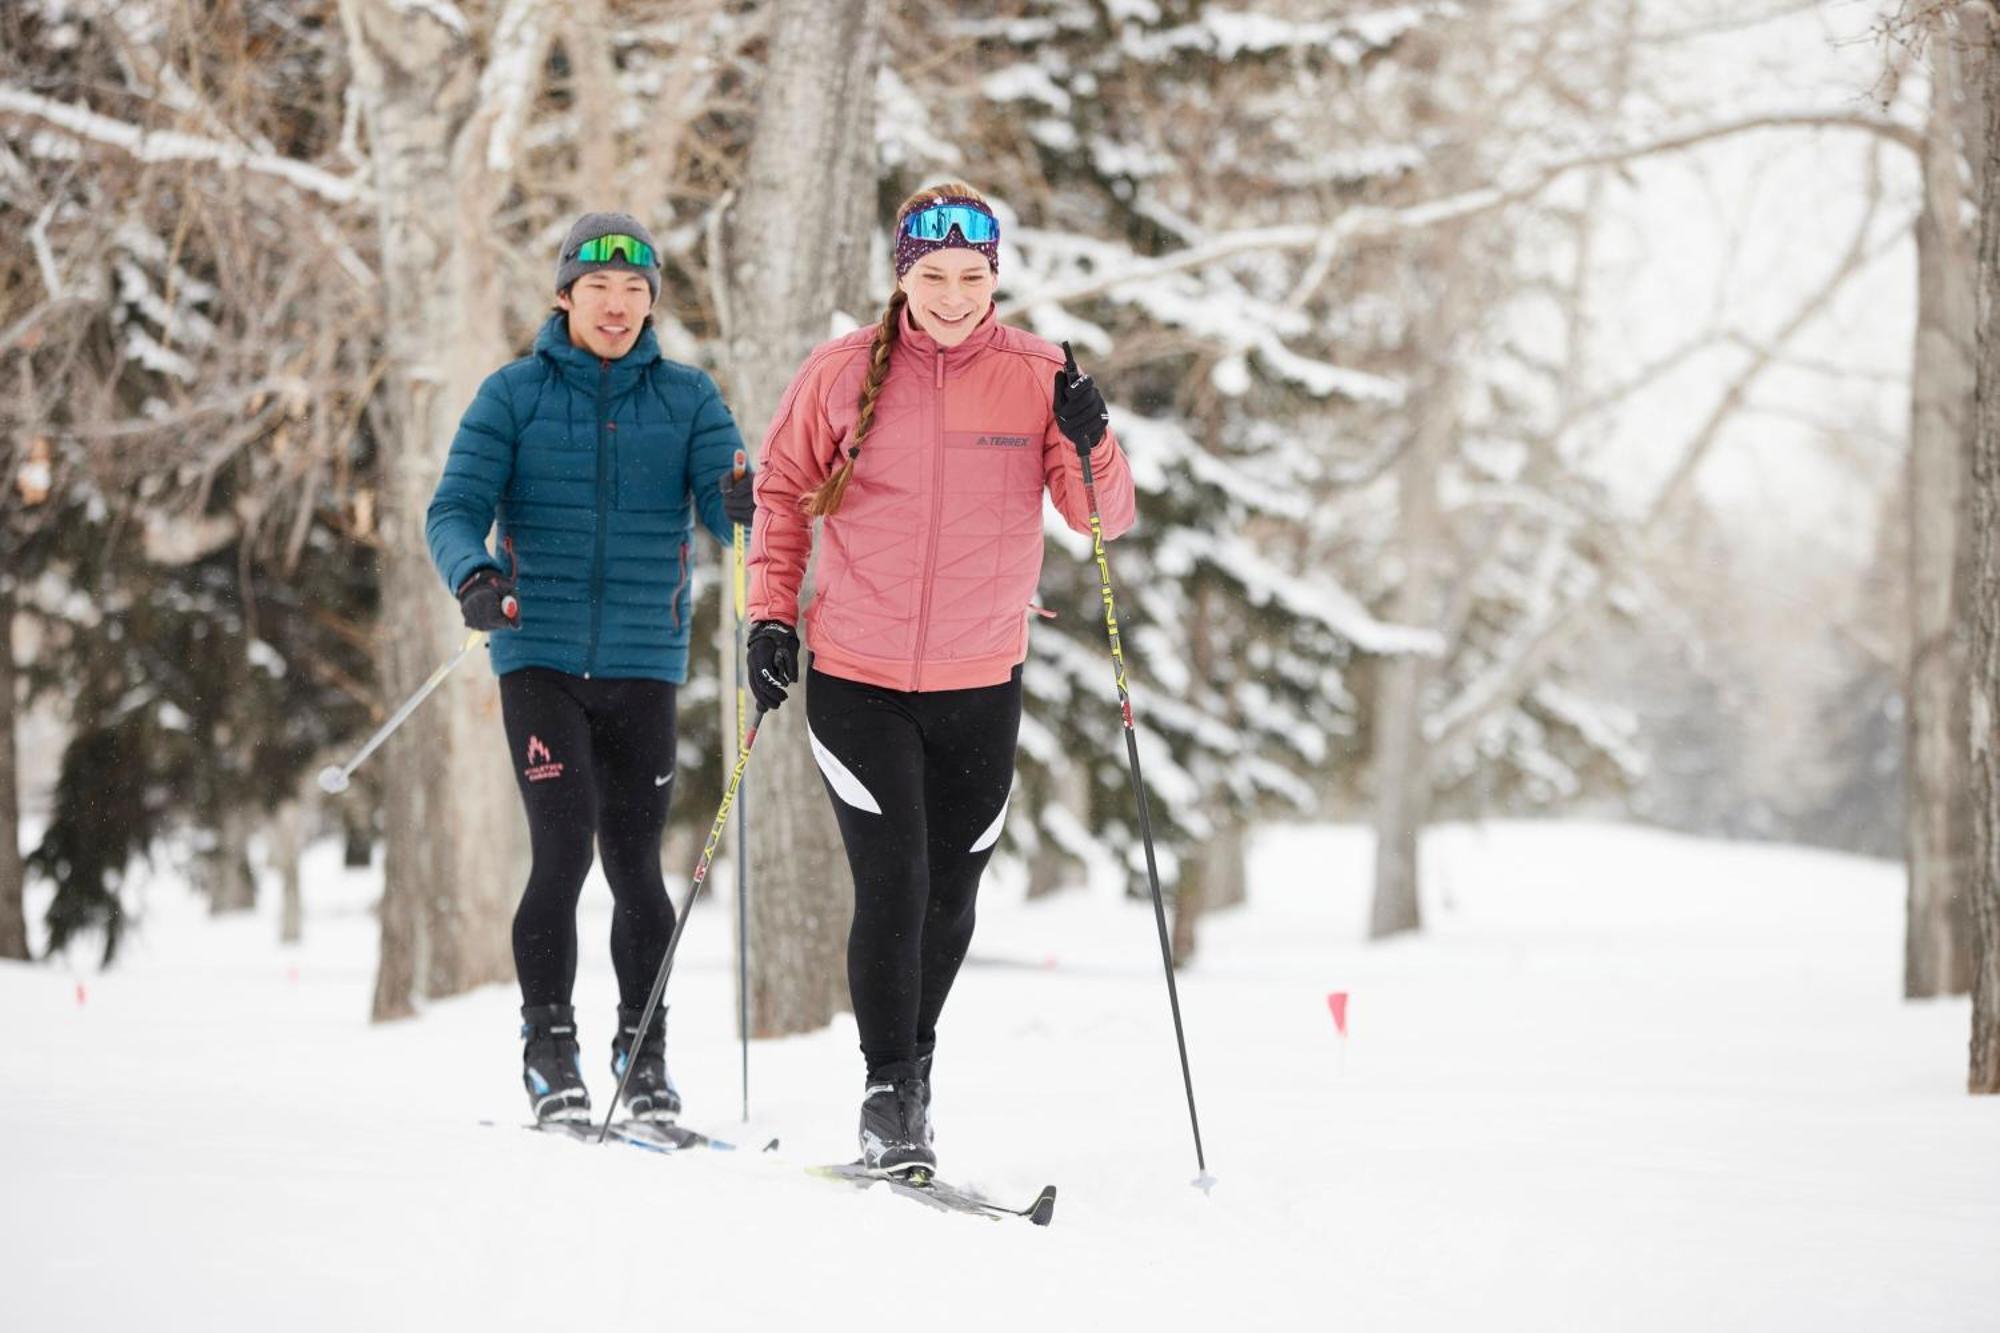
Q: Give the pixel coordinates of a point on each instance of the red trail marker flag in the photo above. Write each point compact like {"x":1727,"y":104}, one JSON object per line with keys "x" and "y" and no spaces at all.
{"x":1336,"y":1002}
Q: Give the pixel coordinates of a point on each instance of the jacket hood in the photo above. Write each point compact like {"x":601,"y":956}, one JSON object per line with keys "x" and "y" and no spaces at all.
{"x":552,"y":343}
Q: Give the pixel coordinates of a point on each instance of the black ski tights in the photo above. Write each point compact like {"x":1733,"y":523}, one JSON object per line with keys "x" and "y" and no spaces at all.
{"x":919,"y":785}
{"x":595,"y":762}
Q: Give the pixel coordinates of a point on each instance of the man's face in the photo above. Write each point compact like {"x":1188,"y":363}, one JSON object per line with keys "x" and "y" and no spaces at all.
{"x":949,"y":292}
{"x":606,"y":311}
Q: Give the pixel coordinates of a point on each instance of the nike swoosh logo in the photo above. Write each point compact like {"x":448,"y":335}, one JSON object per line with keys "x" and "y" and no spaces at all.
{"x":661,"y":782}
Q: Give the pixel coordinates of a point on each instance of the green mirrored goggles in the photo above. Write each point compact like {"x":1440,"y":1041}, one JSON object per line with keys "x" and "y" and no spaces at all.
{"x":615,"y":248}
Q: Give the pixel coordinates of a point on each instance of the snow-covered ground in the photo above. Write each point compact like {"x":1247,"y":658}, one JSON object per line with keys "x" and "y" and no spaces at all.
{"x":1626,"y":1081}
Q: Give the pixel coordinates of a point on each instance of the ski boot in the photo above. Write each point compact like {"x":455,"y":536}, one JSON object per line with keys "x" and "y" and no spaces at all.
{"x":924,"y":1074}
{"x":895,"y":1128}
{"x":650,"y":1094}
{"x":552,"y":1066}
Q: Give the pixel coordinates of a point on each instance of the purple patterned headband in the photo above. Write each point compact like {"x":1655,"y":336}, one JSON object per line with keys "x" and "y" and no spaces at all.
{"x":909,"y":248}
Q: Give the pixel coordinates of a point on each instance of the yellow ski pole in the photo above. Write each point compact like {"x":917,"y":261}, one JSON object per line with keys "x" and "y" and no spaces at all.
{"x":742,"y":830}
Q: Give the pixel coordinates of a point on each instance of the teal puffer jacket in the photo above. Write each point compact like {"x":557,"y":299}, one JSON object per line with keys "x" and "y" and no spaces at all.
{"x":595,"y":471}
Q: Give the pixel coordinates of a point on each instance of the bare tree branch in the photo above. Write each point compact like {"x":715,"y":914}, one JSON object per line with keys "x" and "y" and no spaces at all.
{"x":1454,"y":724}
{"x":1370,"y":223}
{"x":1734,"y":22}
{"x":174,"y":146}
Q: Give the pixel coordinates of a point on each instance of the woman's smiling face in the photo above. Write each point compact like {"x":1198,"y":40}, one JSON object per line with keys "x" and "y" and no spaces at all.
{"x":949,"y":292}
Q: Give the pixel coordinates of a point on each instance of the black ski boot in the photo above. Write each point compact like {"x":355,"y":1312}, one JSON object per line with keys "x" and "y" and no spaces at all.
{"x":924,"y":1074}
{"x":552,"y":1066}
{"x":895,"y":1128}
{"x":650,"y":1094}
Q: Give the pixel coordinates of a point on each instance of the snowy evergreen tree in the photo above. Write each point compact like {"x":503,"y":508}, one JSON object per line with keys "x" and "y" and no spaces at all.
{"x":1146,"y":152}
{"x":1228,"y":212}
{"x":194,"y":583}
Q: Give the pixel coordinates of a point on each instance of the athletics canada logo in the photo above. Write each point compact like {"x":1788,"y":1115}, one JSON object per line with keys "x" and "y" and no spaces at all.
{"x":1002,"y":441}
{"x":541,"y":764}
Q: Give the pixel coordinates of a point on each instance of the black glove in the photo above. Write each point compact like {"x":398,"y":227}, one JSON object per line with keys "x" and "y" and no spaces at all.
{"x":739,"y":499}
{"x":773,"y":659}
{"x":487,"y":601}
{"x":1079,"y":406}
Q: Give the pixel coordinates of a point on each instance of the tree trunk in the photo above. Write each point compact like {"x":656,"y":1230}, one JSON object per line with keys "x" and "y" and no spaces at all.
{"x":1983,"y":677}
{"x":1211,"y":878}
{"x":13,"y":913}
{"x":357,"y":841}
{"x":1401,"y":756}
{"x":594,"y":84}
{"x":1401,"y":794}
{"x":232,"y":886}
{"x":1211,"y":875}
{"x":815,"y":140}
{"x":1047,"y":867}
{"x":287,"y":834}
{"x":1192,"y":891}
{"x":1937,"y":810}
{"x":1225,"y":881}
{"x":1189,"y":893}
{"x":452,"y":823}
{"x":1050,"y":864}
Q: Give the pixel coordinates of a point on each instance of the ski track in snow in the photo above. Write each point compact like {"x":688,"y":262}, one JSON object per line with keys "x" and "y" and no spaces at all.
{"x":1627,"y":1080}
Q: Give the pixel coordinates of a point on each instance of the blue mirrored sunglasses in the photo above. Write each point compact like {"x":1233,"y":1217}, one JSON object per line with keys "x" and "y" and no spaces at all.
{"x":975,"y":225}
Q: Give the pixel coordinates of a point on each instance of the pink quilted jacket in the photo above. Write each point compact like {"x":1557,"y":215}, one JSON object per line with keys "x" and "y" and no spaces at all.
{"x":927,"y":574}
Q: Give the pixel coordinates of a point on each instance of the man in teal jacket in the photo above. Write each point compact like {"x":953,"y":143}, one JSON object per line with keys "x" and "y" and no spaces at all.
{"x":595,"y":454}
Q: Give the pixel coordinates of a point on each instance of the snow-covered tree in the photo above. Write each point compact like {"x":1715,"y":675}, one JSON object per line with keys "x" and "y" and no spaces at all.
{"x":1538,"y":551}
{"x":1168,"y":171}
{"x":172,"y":336}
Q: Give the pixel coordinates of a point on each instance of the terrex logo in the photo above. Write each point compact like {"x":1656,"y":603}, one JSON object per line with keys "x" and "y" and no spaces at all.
{"x":1003,"y":441}
{"x":541,"y":764}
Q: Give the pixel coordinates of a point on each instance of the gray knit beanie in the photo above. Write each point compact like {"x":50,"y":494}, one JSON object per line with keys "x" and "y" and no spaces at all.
{"x":591,"y":226}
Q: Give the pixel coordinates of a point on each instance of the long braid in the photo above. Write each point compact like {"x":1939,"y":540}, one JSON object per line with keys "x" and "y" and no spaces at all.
{"x":825,"y":499}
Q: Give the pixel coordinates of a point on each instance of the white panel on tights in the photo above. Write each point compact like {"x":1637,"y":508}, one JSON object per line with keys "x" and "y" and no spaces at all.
{"x":845,"y":785}
{"x":992,"y":834}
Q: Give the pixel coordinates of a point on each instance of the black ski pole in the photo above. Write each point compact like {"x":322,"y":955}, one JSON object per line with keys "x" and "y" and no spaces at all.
{"x":1204,"y":1180}
{"x":680,"y":921}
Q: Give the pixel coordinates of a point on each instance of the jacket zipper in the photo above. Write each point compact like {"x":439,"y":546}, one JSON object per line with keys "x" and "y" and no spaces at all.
{"x":930,"y":546}
{"x":597,"y":558}
{"x":680,"y":582}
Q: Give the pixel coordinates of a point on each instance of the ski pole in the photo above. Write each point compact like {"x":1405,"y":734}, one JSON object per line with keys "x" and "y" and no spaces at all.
{"x":333,"y":778}
{"x":1204,"y":1180}
{"x":681,"y":920}
{"x":742,"y":814}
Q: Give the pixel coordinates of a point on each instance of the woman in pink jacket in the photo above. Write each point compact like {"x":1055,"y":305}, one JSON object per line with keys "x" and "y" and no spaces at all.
{"x":925,"y":444}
